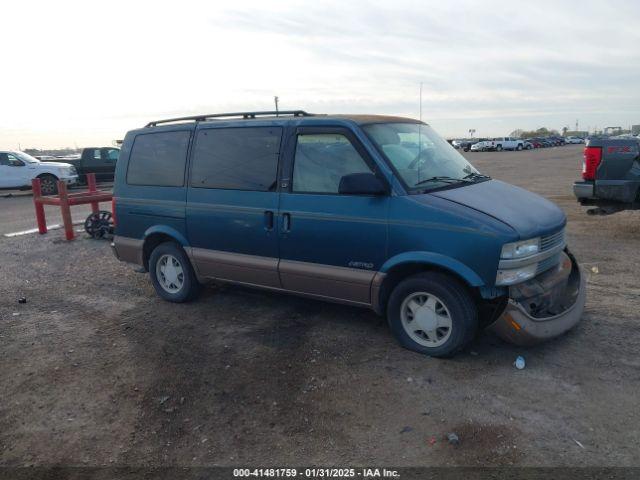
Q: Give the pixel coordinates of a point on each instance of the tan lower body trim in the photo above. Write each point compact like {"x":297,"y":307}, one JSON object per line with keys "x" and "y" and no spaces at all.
{"x":236,"y":267}
{"x":376,"y":287}
{"x":327,"y":281}
{"x":128,"y":249}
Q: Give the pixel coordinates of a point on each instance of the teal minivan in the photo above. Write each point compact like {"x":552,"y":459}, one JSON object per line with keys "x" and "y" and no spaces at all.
{"x":367,"y":210}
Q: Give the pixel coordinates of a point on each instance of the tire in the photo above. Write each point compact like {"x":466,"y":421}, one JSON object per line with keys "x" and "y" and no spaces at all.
{"x":48,"y":184}
{"x":181,"y":276}
{"x":446,"y":300}
{"x":519,"y":147}
{"x":499,"y":148}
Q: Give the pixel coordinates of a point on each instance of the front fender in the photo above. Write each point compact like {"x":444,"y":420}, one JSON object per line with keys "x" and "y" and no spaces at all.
{"x":436,"y":259}
{"x":166,"y":230}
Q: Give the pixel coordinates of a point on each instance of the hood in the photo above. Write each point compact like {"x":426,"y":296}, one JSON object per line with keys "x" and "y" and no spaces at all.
{"x":530,"y":215}
{"x":55,"y":164}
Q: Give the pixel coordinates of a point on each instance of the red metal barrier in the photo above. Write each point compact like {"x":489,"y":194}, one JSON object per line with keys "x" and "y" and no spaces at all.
{"x":66,"y":200}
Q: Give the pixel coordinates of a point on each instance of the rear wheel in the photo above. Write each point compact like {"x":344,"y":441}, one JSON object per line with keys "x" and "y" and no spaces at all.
{"x":432,"y":313}
{"x":48,"y":184}
{"x":171,"y":273}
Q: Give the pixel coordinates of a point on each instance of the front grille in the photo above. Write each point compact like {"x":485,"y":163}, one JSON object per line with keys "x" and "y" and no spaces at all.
{"x":549,"y":241}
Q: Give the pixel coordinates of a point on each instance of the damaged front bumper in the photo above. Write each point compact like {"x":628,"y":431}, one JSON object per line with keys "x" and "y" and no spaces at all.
{"x":545,"y":306}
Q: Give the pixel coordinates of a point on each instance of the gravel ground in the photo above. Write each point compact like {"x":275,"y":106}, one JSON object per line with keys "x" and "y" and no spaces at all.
{"x":97,"y":371}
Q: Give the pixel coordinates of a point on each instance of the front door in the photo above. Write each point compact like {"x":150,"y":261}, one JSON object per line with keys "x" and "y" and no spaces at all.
{"x":232,"y":203}
{"x":331,"y":245}
{"x":13,"y":171}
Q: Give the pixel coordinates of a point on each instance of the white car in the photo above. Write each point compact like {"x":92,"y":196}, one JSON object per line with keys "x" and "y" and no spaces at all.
{"x":483,"y":146}
{"x":574,"y":140}
{"x":17,"y":169}
{"x":508,"y":143}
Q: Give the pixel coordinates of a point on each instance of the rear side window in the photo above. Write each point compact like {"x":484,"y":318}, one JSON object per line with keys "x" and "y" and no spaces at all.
{"x":236,"y":158}
{"x":158,"y":159}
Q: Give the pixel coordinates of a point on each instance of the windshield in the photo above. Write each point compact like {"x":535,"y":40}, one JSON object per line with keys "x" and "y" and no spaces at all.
{"x":422,"y":159}
{"x":27,"y":158}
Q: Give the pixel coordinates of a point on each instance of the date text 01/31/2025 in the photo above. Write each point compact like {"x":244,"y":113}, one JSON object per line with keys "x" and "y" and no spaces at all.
{"x":316,"y":472}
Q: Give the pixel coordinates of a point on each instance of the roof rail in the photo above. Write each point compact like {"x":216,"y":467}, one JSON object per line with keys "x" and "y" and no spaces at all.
{"x":244,"y":115}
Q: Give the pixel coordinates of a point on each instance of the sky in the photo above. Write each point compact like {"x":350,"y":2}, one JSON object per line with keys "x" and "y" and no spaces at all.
{"x":83,"y":73}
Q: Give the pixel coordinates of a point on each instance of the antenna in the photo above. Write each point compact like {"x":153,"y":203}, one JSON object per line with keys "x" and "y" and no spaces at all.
{"x":420,"y":101}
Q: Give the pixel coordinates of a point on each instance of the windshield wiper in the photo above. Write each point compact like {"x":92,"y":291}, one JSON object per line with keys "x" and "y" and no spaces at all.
{"x":477,"y":176}
{"x":442,"y":179}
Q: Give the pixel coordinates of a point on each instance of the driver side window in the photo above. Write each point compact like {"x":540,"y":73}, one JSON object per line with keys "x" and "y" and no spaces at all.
{"x":321,"y":160}
{"x":10,"y":160}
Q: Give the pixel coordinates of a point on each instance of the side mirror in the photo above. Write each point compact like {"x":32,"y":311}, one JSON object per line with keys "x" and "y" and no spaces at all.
{"x":361,"y":184}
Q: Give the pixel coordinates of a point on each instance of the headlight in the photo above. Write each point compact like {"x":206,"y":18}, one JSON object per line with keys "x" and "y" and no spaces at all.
{"x":516,"y":275}
{"x":520,"y":249}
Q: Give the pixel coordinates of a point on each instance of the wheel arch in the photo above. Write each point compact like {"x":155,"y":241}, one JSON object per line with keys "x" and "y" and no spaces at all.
{"x":156,"y":235}
{"x":398,"y":268}
{"x":47,"y":174}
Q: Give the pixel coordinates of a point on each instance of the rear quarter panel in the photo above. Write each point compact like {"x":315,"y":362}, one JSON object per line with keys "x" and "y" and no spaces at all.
{"x":618,"y":176}
{"x":142,"y":209}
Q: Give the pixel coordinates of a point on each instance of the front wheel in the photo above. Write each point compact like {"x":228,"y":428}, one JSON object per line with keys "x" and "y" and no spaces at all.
{"x":172,"y":274}
{"x":519,"y":147}
{"x":48,"y":184}
{"x":432,"y":313}
{"x":499,"y":148}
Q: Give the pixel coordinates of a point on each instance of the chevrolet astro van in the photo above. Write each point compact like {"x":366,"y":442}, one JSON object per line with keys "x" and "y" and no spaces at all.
{"x":367,"y":210}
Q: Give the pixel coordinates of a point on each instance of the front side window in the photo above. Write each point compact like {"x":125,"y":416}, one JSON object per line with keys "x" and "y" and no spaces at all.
{"x":159,"y":159}
{"x":14,"y":161}
{"x":322,"y":160}
{"x":420,"y":156}
{"x":244,"y":158}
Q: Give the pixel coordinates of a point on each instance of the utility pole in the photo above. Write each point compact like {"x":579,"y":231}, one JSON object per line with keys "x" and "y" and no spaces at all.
{"x":275,"y":99}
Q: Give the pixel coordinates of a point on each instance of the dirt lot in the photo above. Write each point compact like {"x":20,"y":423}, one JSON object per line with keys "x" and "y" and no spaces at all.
{"x":97,"y":371}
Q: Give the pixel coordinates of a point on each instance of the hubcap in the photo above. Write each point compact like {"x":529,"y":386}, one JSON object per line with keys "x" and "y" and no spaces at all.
{"x":170,"y":274}
{"x":426,"y":319}
{"x":47,"y":186}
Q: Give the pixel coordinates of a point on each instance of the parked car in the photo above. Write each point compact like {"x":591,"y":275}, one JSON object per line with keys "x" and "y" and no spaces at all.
{"x":99,"y":160}
{"x":466,"y":144}
{"x":546,"y":143}
{"x":508,"y":143}
{"x":610,"y":175}
{"x":528,"y":145}
{"x":554,"y":141}
{"x":574,"y":140}
{"x":367,"y":210}
{"x":482,"y":146}
{"x":535,"y":142}
{"x":17,"y":169}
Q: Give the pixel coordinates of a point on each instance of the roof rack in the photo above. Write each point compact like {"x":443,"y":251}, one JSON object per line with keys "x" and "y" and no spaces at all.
{"x":244,"y":115}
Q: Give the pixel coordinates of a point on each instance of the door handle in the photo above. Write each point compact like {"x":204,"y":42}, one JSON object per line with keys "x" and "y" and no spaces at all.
{"x":268,"y":220}
{"x":286,"y":222}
